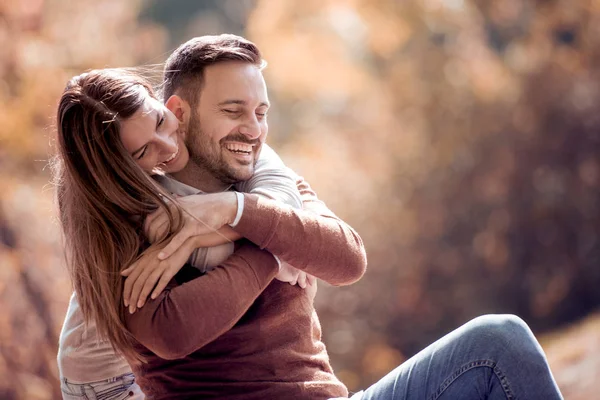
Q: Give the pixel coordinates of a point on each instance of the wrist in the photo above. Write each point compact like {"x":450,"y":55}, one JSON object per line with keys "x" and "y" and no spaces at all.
{"x":238,"y":209}
{"x":231,"y":207}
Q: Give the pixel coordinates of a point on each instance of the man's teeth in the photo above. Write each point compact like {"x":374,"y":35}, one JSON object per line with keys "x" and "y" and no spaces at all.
{"x":239,"y":147}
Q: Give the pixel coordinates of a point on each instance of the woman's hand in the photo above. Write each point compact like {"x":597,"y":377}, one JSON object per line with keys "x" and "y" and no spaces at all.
{"x":202,"y":214}
{"x":143,"y":275}
{"x":294,"y":276}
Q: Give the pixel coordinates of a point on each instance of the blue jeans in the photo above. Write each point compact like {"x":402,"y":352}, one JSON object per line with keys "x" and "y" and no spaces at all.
{"x":117,"y":388}
{"x":491,"y":357}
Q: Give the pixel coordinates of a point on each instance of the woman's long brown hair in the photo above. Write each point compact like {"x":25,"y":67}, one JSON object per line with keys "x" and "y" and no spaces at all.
{"x":103,"y":195}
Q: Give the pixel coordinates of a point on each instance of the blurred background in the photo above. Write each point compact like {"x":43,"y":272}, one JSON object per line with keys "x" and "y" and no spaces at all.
{"x":461,"y":138}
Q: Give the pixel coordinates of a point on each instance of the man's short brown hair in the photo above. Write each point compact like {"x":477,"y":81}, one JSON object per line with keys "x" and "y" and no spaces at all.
{"x":184,"y":69}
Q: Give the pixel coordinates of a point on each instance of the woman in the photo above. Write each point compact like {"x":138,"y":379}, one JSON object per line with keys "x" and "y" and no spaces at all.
{"x":88,"y":364}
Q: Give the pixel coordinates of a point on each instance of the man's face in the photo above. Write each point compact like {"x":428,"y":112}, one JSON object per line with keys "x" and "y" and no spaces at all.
{"x":229,"y":125}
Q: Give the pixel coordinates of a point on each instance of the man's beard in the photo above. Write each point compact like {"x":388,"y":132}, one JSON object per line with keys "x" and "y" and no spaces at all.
{"x":207,"y":155}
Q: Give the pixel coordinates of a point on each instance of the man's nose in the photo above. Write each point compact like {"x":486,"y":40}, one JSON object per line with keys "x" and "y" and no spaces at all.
{"x":251,"y":128}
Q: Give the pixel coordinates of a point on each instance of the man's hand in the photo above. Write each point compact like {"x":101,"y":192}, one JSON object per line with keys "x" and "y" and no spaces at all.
{"x":143,"y":275}
{"x":294,"y":276}
{"x":202,"y":214}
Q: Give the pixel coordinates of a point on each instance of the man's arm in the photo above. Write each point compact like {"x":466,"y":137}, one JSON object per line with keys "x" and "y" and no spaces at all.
{"x":313,"y":239}
{"x":185,"y":317}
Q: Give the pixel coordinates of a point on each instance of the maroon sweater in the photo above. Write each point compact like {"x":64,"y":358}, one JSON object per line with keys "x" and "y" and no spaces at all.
{"x":235,"y":333}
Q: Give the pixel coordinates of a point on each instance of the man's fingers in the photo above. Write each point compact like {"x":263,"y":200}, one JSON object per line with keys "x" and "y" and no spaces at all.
{"x":302,"y":279}
{"x":310,"y":280}
{"x":294,"y":278}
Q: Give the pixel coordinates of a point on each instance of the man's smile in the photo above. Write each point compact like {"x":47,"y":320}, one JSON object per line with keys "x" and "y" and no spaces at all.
{"x":239,"y":148}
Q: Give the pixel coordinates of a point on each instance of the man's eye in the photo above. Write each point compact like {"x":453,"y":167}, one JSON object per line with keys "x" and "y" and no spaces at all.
{"x":160,"y":122}
{"x":233,"y":114}
{"x":262,"y":115}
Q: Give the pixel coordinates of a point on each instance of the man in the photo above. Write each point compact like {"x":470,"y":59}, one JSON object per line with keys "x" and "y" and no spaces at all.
{"x":236,"y":333}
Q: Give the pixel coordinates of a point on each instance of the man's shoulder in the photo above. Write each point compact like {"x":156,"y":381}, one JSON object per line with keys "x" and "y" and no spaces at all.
{"x":173,"y":186}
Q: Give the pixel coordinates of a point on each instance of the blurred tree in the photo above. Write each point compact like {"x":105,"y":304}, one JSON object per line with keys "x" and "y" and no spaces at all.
{"x":185,"y":19}
{"x":461,"y":140}
{"x":42,"y":44}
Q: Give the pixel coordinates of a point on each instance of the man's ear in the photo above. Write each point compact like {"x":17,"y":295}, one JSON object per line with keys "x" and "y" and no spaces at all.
{"x":180,"y":108}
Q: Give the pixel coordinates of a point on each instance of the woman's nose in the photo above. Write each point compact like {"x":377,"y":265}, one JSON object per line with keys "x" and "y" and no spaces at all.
{"x":168,"y":144}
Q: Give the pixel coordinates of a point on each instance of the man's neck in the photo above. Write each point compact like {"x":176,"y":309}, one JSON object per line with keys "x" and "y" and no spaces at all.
{"x":199,"y":178}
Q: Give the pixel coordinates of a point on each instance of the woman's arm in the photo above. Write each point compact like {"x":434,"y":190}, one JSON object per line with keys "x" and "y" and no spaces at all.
{"x":224,"y":235}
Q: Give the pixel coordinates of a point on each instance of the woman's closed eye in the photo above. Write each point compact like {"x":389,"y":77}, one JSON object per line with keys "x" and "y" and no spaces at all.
{"x":142,"y":153}
{"x":160,"y":121}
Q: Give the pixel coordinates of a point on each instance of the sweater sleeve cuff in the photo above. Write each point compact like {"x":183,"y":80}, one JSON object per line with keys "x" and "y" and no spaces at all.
{"x":259,"y":219}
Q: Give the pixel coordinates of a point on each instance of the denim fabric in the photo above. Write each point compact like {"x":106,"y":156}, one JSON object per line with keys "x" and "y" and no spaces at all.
{"x":491,"y":357}
{"x":118,"y":388}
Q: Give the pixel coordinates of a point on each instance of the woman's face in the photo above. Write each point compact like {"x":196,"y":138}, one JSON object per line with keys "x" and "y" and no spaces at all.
{"x":152,"y":137}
